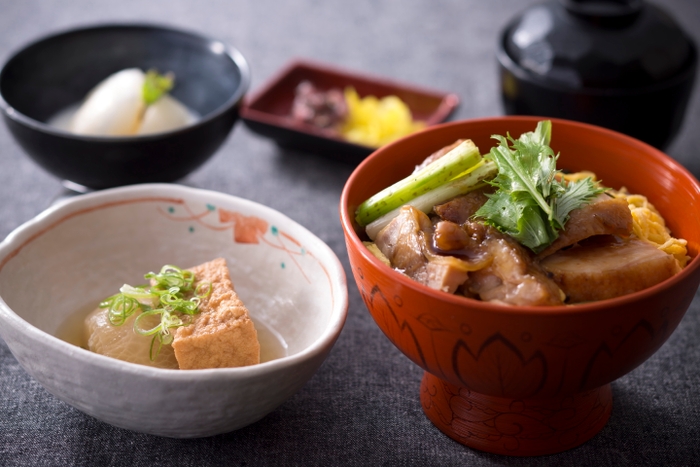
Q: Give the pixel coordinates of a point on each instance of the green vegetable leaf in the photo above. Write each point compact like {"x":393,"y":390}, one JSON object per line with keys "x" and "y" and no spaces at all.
{"x":156,"y":85}
{"x":577,"y":194}
{"x":532,"y":204}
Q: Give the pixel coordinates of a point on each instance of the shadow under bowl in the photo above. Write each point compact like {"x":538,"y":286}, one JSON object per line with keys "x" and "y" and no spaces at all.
{"x":526,"y":381}
{"x":57,"y":71}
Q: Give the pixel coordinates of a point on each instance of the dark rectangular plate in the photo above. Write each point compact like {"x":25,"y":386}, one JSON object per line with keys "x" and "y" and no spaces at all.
{"x":268,"y":110}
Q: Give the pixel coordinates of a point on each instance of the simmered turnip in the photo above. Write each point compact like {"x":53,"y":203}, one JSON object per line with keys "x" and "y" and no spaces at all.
{"x":127,"y":103}
{"x":114,"y":107}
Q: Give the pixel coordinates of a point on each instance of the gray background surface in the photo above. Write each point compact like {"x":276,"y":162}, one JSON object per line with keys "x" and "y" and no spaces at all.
{"x":362,"y":407}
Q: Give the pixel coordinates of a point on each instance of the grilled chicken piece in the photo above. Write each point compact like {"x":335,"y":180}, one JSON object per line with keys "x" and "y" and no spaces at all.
{"x":603,"y":216}
{"x":451,"y":238}
{"x":507,"y":272}
{"x":486,"y":263}
{"x":461,"y":208}
{"x":600,"y":270}
{"x":494,"y":266}
{"x":512,"y":276}
{"x":405,"y":241}
{"x":446,"y":273}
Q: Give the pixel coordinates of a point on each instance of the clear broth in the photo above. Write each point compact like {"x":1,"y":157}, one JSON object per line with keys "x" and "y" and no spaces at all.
{"x":272,"y":344}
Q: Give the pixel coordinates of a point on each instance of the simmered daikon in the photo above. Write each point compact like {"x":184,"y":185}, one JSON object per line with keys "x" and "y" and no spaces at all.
{"x":127,"y":103}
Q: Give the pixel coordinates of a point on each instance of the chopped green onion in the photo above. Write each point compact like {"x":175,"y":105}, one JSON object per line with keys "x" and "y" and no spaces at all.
{"x":166,"y":296}
{"x":203,"y":289}
{"x":120,"y":308}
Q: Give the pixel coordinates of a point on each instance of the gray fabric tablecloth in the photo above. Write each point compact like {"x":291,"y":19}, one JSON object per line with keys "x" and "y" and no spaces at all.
{"x":362,"y":407}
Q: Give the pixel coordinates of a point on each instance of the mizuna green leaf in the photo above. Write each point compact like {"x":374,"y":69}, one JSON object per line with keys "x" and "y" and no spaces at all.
{"x":532,"y":203}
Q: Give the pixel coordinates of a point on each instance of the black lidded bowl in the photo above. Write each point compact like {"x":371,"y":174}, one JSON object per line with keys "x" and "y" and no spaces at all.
{"x":57,"y":71}
{"x":621,"y":64}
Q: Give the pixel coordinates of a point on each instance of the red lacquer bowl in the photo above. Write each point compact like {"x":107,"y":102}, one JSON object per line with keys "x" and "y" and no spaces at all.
{"x":526,"y":380}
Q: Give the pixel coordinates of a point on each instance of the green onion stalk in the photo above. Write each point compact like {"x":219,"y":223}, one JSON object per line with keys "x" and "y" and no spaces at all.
{"x":442,"y":170}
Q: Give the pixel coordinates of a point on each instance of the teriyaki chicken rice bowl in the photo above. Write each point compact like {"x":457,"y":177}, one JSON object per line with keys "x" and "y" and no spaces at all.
{"x":509,"y":227}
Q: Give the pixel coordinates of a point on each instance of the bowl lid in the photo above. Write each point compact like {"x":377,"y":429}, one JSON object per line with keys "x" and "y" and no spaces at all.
{"x":598,"y":43}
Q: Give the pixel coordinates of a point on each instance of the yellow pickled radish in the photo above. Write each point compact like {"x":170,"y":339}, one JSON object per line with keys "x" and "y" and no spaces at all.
{"x":374,"y":122}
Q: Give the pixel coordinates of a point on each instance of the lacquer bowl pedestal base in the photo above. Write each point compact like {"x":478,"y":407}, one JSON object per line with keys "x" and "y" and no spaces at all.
{"x":514,"y":427}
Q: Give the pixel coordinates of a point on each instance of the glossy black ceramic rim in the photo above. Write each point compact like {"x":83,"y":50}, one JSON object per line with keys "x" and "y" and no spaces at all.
{"x":619,"y":8}
{"x":522,"y":74}
{"x":234,"y":101}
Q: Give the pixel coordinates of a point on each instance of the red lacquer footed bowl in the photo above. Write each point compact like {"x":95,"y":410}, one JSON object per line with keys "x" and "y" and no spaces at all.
{"x":526,"y":381}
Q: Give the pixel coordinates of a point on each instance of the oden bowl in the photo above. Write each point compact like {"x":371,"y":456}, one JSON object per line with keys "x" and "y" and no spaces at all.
{"x":76,"y":253}
{"x":526,"y":380}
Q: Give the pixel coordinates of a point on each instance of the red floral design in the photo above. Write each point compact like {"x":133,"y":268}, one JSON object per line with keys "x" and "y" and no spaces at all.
{"x":246,"y":229}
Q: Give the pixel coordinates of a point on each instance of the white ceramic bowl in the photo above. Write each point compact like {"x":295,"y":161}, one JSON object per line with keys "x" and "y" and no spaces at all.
{"x":78,"y":251}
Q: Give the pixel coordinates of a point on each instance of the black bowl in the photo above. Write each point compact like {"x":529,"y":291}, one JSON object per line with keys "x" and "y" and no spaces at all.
{"x":57,"y":71}
{"x":621,"y":64}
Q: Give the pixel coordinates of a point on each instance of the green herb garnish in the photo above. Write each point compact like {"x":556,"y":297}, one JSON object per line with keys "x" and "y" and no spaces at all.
{"x":165,"y":296}
{"x":532,"y":204}
{"x":156,"y":85}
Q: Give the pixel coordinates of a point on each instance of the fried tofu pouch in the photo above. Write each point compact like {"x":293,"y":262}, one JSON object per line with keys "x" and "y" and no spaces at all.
{"x":222,"y":334}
